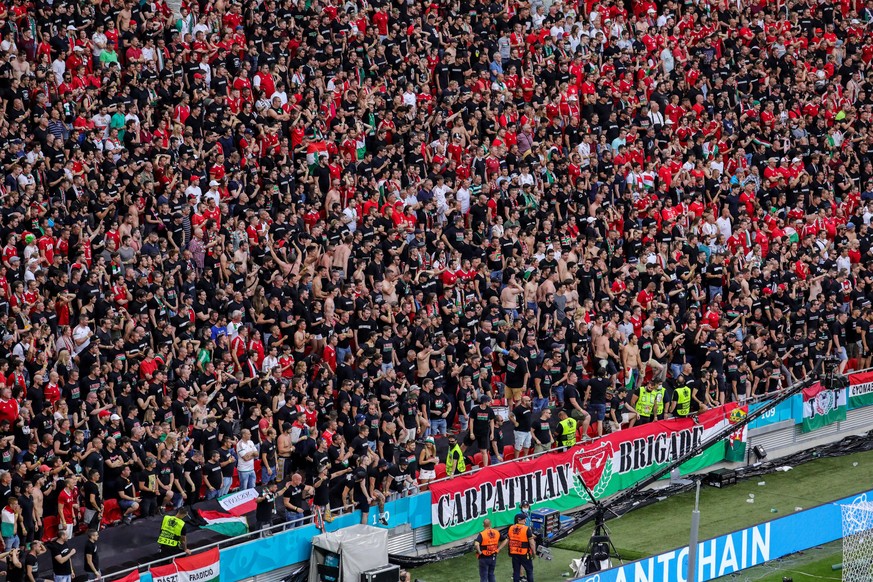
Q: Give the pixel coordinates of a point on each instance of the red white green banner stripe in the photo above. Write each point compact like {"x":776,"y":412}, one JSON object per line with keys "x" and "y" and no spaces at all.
{"x":203,"y":567}
{"x":224,"y":523}
{"x":607,"y":466}
{"x":239,"y":503}
{"x":860,"y":390}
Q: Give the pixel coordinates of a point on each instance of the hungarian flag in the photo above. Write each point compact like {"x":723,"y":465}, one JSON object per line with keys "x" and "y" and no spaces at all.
{"x":132,"y":577}
{"x":166,"y":573}
{"x":822,"y":407}
{"x":629,"y":380}
{"x":239,"y":503}
{"x":199,"y":567}
{"x":224,"y":523}
{"x":860,"y":390}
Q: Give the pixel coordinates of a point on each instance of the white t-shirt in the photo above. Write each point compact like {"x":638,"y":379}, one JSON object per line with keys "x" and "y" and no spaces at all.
{"x":724,"y":226}
{"x":81,"y":332}
{"x":463,"y":196}
{"x":233,"y":329}
{"x":351,"y":221}
{"x":194,"y":191}
{"x":269,"y":363}
{"x":244,"y":448}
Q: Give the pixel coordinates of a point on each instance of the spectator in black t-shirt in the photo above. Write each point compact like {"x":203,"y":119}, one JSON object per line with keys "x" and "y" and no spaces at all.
{"x":192,"y":476}
{"x":266,"y":504}
{"x":378,"y":481}
{"x":212,"y":473}
{"x":574,"y":402}
{"x":25,"y":500}
{"x":482,"y":418}
{"x":126,"y":493}
{"x":439,"y":409}
{"x":269,"y":470}
{"x":166,"y":478}
{"x":409,"y":417}
{"x":541,"y":431}
{"x":92,"y":559}
{"x":295,"y":496}
{"x":360,"y":444}
{"x":839,"y":341}
{"x":597,"y":387}
{"x":93,"y":500}
{"x":620,"y":410}
{"x":148,"y":488}
{"x":62,"y":556}
{"x":521,"y":421}
{"x":402,"y":479}
{"x":517,"y":374}
{"x":715,"y":361}
{"x":23,"y":565}
{"x":94,"y":459}
{"x":228,"y":463}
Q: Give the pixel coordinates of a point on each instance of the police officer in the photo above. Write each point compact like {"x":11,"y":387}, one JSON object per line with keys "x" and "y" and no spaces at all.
{"x":174,"y":531}
{"x":566,"y":430}
{"x":487,"y":546}
{"x":522,"y":548}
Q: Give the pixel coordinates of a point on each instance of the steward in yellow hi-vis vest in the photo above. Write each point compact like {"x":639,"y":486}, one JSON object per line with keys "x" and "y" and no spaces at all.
{"x":566,"y":430}
{"x":173,"y":537}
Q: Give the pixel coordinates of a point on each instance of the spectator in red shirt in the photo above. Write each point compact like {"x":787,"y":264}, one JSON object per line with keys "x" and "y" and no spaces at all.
{"x":68,"y":507}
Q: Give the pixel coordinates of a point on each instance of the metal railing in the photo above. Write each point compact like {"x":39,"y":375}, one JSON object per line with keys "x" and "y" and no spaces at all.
{"x":242,"y":539}
{"x":753,"y":400}
{"x":477,"y":468}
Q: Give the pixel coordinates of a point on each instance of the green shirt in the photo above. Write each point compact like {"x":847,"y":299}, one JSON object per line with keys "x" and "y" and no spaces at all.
{"x":108,"y":56}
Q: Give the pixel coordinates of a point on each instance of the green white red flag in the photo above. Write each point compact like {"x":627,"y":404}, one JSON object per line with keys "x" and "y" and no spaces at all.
{"x":203,"y":567}
{"x":224,"y":523}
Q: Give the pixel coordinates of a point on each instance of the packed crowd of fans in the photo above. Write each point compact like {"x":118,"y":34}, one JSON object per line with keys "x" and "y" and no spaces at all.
{"x":311,"y":238}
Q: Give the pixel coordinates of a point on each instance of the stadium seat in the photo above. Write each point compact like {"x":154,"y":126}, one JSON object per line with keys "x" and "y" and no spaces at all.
{"x":508,"y":453}
{"x":111,"y":512}
{"x":49,"y":528}
{"x":477,"y":459}
{"x":440,"y":470}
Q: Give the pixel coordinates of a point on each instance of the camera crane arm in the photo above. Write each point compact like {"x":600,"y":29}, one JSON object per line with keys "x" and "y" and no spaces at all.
{"x":602,"y":506}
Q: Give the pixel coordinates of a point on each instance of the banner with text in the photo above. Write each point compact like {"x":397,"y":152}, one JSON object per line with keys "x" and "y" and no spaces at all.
{"x":166,"y":573}
{"x":860,"y":390}
{"x":787,"y":410}
{"x":612,"y":463}
{"x":202,"y":567}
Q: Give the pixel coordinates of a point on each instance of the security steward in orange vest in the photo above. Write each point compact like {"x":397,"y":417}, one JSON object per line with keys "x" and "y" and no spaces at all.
{"x":487,"y":546}
{"x":522,"y":548}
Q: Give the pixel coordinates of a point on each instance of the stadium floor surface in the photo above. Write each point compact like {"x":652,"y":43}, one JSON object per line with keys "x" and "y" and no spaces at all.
{"x":664,"y":525}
